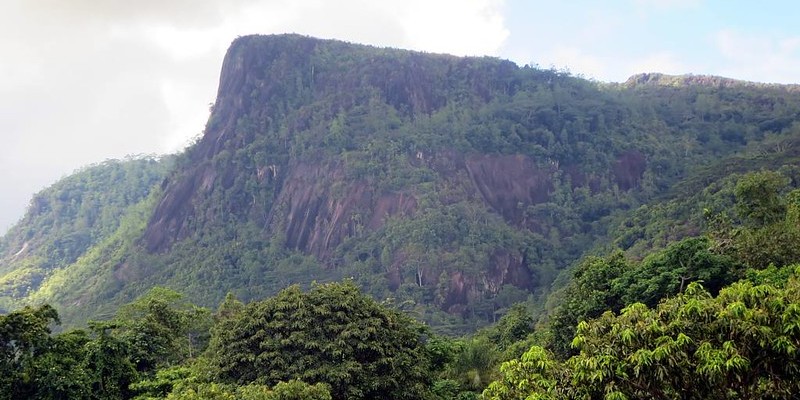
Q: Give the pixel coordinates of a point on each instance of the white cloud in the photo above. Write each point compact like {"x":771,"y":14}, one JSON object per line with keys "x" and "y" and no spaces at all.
{"x":663,"y":62}
{"x":665,"y":5}
{"x":577,"y":62}
{"x":461,"y":27}
{"x":754,"y":56}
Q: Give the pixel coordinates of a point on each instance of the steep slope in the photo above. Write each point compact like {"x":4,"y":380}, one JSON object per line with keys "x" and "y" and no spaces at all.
{"x":452,"y":186}
{"x":67,"y":219}
{"x":681,"y":211}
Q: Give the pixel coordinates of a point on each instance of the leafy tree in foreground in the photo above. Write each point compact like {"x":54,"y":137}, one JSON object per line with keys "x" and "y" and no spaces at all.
{"x":162,"y":328}
{"x":332,"y":334}
{"x":473,"y":364}
{"x":74,"y":365}
{"x":589,"y":294}
{"x":741,"y":344}
{"x":292,"y":390}
{"x":108,"y":361}
{"x":669,"y":271}
{"x":24,"y":338}
{"x":603,"y":284}
{"x":770,"y":231}
{"x":298,"y":390}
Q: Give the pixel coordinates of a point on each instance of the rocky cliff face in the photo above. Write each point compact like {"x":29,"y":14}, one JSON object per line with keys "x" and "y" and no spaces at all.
{"x":449,"y":184}
{"x":509,"y":183}
{"x":268,"y":157}
{"x":659,"y":79}
{"x":256,"y":76}
{"x":456,"y":184}
{"x":316,"y":216}
{"x":277,"y":80}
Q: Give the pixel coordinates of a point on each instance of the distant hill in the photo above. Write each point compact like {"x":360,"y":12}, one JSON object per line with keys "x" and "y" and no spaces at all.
{"x":68,"y":219}
{"x":450,"y":187}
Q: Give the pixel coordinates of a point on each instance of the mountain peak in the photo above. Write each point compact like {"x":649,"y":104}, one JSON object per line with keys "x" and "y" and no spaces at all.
{"x":659,"y":79}
{"x":460,"y":184}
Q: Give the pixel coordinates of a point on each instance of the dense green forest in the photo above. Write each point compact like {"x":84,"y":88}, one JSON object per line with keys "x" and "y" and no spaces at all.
{"x":624,"y":329}
{"x":452,"y":187}
{"x":68,"y":220}
{"x":360,"y":222}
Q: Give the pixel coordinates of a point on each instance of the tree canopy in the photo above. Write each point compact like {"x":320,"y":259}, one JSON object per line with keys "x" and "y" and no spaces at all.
{"x":331,"y":334}
{"x":740,"y":344}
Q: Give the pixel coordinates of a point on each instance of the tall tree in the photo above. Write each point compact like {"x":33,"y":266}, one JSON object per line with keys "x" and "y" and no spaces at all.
{"x":162,"y":328}
{"x":758,"y":200}
{"x":332,"y":334}
{"x":741,"y":344}
{"x":24,"y":339}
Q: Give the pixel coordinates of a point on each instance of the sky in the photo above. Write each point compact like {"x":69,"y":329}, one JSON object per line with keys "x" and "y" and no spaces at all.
{"x":83,"y":81}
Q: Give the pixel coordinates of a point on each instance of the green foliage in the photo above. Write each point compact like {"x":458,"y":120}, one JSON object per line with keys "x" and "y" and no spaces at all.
{"x":60,"y":371}
{"x":533,"y":376}
{"x":769,"y":232}
{"x":107,"y":360}
{"x":162,"y":384}
{"x":135,"y":354}
{"x":669,"y":271}
{"x":611,"y":283}
{"x":382,"y":122}
{"x":469,"y":364}
{"x":63,"y":287}
{"x":589,"y":294}
{"x":74,"y":365}
{"x":685,"y":209}
{"x":24,"y":338}
{"x":65,"y":220}
{"x":771,"y":275}
{"x":332,"y":334}
{"x":298,"y":390}
{"x":162,"y":329}
{"x":758,"y":200}
{"x":291,"y":390}
{"x":513,"y":327}
{"x":418,"y":255}
{"x":473,"y":364}
{"x":210,"y":391}
{"x":448,"y":389}
{"x":740,"y":344}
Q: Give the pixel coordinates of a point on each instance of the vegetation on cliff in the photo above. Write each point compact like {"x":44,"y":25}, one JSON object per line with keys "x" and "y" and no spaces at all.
{"x":68,"y":220}
{"x":450,"y":189}
{"x":709,"y":317}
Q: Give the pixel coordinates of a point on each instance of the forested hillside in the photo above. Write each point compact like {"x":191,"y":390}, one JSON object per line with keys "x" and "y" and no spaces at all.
{"x":449,"y":188}
{"x":624,"y":329}
{"x":68,"y":219}
{"x":709,"y":317}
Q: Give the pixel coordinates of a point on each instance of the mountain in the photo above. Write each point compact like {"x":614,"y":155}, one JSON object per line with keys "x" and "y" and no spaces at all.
{"x":67,"y":220}
{"x":449,"y":187}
